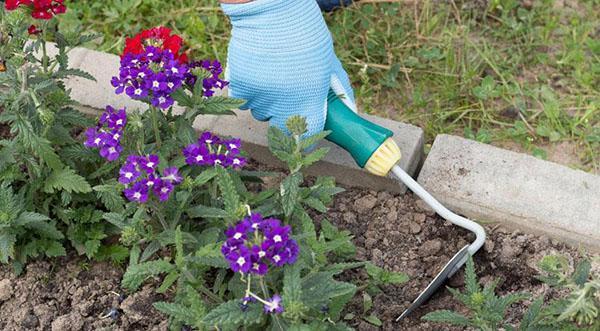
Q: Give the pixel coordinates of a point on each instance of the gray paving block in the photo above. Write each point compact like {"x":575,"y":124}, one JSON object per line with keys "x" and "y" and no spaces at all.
{"x":517,"y":190}
{"x":337,"y":163}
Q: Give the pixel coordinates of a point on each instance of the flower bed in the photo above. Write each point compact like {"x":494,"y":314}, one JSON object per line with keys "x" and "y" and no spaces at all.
{"x":414,"y":241}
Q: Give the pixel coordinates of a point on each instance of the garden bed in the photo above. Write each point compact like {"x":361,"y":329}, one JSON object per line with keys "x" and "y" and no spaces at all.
{"x":395,"y":232}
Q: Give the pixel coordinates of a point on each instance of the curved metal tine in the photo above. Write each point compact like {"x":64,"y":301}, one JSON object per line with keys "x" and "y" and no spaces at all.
{"x":449,"y":269}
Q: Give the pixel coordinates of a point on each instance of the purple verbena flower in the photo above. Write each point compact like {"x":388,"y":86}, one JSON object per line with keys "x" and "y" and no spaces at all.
{"x":171,"y":174}
{"x":274,"y":305}
{"x":214,"y":151}
{"x":149,"y":163}
{"x":240,"y":260}
{"x":137,"y":193}
{"x":107,"y":135}
{"x":151,"y":75}
{"x":128,"y":173}
{"x":212,"y":81}
{"x":163,"y":190}
{"x":267,"y":242}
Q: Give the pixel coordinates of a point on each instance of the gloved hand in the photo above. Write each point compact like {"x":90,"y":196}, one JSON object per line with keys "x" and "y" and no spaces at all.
{"x":281,"y":61}
{"x":329,"y":5}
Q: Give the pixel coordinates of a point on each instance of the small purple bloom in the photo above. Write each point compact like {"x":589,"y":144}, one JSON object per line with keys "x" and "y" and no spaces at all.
{"x":274,"y":305}
{"x":128,"y":173}
{"x":238,"y":232}
{"x":149,"y":163}
{"x":92,"y":138}
{"x":152,"y":181}
{"x":137,"y":193}
{"x":240,"y":260}
{"x":111,"y":153}
{"x":163,"y":190}
{"x":171,"y":174}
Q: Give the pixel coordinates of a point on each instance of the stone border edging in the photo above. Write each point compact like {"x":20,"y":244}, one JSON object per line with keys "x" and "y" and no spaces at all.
{"x":520,"y":191}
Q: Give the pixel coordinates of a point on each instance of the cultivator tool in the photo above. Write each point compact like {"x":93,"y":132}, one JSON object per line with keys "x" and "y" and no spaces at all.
{"x":373,"y":149}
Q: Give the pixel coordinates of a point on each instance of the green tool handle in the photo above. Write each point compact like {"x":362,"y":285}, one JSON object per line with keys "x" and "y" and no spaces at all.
{"x":353,"y":133}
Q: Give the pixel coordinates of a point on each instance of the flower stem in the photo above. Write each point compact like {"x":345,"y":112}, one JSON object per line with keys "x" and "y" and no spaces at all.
{"x":153,"y":113}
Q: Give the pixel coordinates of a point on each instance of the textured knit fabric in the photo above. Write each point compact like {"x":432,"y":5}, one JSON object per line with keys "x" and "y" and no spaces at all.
{"x":281,"y":61}
{"x":329,"y":5}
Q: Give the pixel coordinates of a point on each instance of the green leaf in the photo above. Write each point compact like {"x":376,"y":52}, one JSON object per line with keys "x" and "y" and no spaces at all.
{"x":289,"y":190}
{"x":296,"y":124}
{"x":281,"y":145}
{"x":229,"y":314}
{"x":177,"y":311}
{"x":319,"y":288}
{"x":110,"y":196}
{"x":373,"y":320}
{"x":169,"y":280}
{"x":205,"y":176}
{"x":447,"y":316}
{"x":210,"y":255}
{"x":292,"y":290}
{"x":55,"y":249}
{"x":231,"y":199}
{"x":136,"y":274}
{"x":66,"y":179}
{"x":582,"y":272}
{"x":7,"y":246}
{"x":206,"y":212}
{"x":315,"y":156}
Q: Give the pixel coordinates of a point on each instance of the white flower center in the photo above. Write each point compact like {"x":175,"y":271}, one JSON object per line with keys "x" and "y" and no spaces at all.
{"x":232,"y":146}
{"x":217,"y":161}
{"x":261,"y":254}
{"x":277,"y":258}
{"x":150,"y":54}
{"x":128,"y":175}
{"x":162,"y":99}
{"x":255,"y":266}
{"x":150,"y":183}
{"x":155,"y":84}
{"x":199,"y":158}
{"x":237,"y":235}
{"x":164,"y":190}
{"x":170,"y":84}
{"x":141,"y":75}
{"x":174,"y":70}
{"x":138,"y":91}
{"x":150,"y":164}
{"x":137,"y":195}
{"x":241,"y":261}
{"x":97,"y":141}
{"x":116,"y":136}
{"x":119,"y":121}
{"x":277,"y":238}
{"x":236,"y":161}
{"x":112,"y":150}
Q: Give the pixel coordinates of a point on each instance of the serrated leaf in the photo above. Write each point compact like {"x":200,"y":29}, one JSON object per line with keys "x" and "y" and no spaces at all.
{"x":206,"y":212}
{"x":231,"y":199}
{"x":230,"y":314}
{"x":136,"y":274}
{"x":447,"y":316}
{"x":289,"y":190}
{"x":205,"y":176}
{"x":66,"y":179}
{"x":7,"y":246}
{"x":292,"y":290}
{"x":582,"y":272}
{"x":55,"y":249}
{"x":176,"y":311}
{"x":169,"y":280}
{"x":315,"y":156}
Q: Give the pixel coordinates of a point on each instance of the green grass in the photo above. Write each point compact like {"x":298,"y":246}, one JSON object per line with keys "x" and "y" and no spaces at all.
{"x":524,"y":75}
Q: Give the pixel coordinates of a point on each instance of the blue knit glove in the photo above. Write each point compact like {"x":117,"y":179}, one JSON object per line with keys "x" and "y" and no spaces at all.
{"x":281,"y":61}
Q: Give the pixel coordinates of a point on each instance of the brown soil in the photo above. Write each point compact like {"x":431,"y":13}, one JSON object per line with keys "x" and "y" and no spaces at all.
{"x":395,"y":232}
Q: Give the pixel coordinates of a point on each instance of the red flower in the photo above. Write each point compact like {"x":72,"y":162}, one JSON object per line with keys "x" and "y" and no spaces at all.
{"x":158,"y":37}
{"x":33,"y":30}
{"x":41,"y":9}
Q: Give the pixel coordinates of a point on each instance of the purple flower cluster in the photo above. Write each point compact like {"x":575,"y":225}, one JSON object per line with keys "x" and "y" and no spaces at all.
{"x":210,"y":83}
{"x":212,"y":150}
{"x":140,"y":174}
{"x":153,"y":74}
{"x":272,"y":305}
{"x":255,"y":243}
{"x":106,"y":136}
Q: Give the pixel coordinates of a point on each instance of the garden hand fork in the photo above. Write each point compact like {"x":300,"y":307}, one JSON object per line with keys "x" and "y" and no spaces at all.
{"x":373,"y":149}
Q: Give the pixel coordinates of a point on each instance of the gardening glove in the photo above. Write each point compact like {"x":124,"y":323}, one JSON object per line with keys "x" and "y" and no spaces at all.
{"x":281,"y":61}
{"x":329,"y":5}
